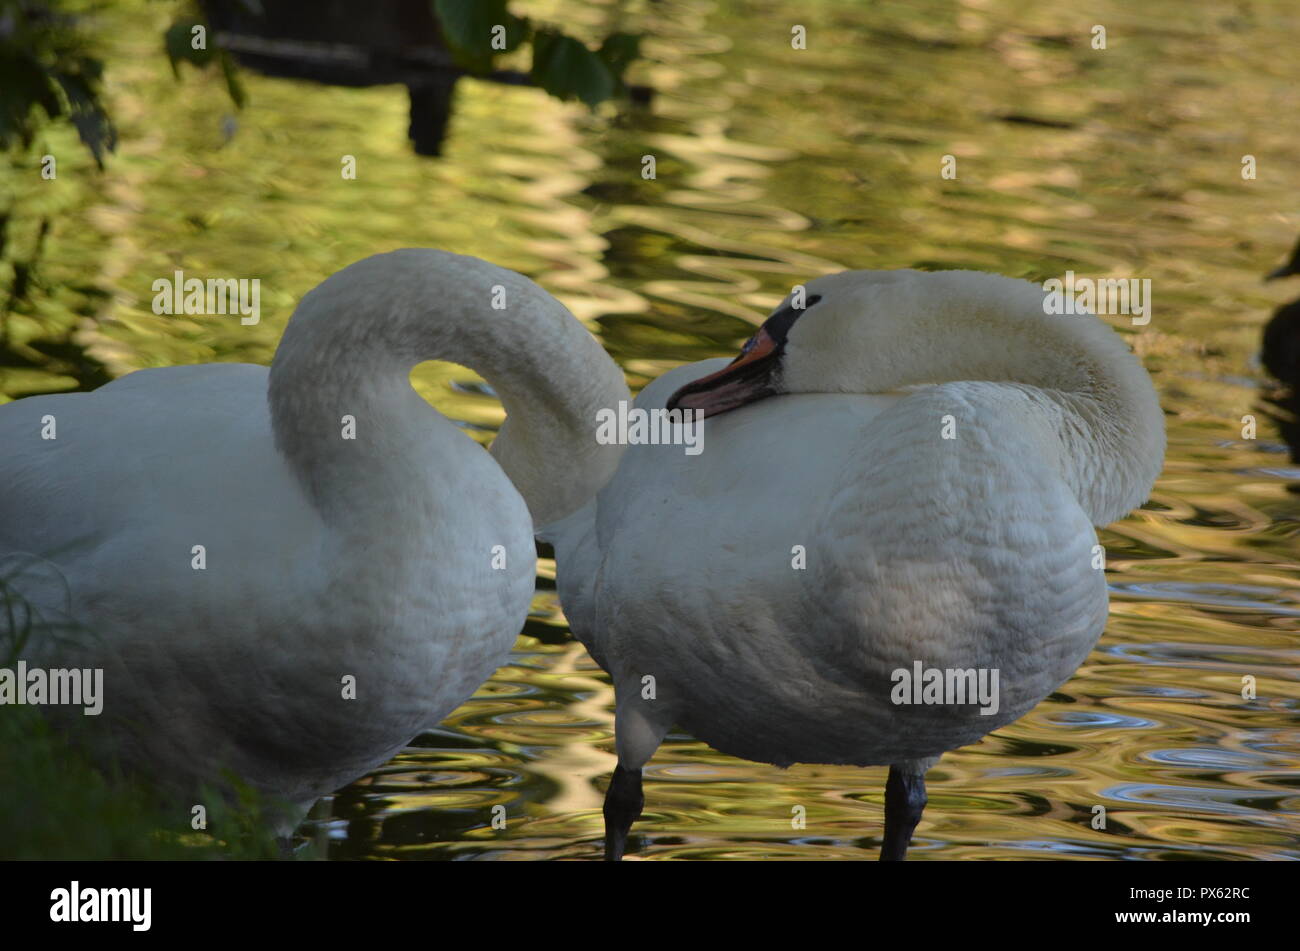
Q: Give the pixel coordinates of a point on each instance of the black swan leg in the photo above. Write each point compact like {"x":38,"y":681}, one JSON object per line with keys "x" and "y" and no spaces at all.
{"x":623,"y":803}
{"x":904,"y":802}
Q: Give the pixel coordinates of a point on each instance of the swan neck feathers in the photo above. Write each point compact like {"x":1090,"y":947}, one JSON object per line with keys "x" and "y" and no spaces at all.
{"x":351,"y":344}
{"x":888,"y":330}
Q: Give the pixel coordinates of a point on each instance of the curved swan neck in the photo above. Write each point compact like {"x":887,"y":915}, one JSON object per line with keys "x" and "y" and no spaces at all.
{"x":955,"y":326}
{"x":350,"y":346}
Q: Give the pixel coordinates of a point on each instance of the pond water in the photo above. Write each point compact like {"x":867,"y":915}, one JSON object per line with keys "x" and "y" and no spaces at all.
{"x":775,"y":165}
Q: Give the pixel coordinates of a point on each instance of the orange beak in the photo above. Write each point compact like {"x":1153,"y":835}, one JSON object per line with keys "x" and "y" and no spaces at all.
{"x":748,"y":378}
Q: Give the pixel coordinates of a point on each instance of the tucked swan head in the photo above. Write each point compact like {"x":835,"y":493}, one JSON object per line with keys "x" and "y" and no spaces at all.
{"x":874,"y":331}
{"x":880,"y":331}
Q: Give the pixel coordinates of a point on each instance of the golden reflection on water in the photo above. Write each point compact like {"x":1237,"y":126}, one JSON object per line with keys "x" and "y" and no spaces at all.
{"x":775,"y":165}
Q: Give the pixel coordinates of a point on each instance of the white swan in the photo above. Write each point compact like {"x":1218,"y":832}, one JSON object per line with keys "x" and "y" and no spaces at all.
{"x":402,"y":558}
{"x":763,"y":593}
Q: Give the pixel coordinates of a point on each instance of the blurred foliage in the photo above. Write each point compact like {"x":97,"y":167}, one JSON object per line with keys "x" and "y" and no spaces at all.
{"x":48,"y":73}
{"x":563,"y":66}
{"x":467,"y":27}
{"x":187,"y":41}
{"x":56,"y":805}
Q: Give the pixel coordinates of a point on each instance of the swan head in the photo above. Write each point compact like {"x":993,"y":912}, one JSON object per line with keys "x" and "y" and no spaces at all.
{"x":877,"y":331}
{"x":815,"y":341}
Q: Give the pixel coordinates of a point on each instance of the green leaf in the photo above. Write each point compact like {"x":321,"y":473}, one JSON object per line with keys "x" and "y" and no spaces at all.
{"x":179,"y":40}
{"x":45,"y":67}
{"x":25,"y":85}
{"x":233,"y":84}
{"x":87,"y":113}
{"x":618,"y":51}
{"x":566,"y":69}
{"x":468,"y":25}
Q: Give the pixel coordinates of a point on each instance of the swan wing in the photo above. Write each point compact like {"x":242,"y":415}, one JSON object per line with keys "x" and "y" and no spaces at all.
{"x":143,"y":470}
